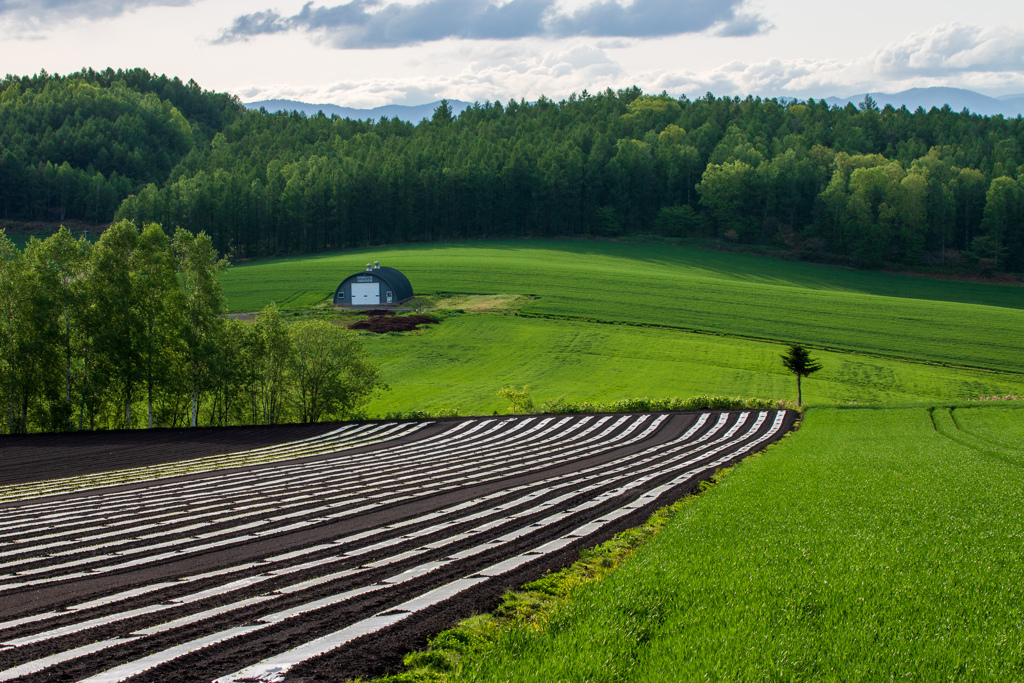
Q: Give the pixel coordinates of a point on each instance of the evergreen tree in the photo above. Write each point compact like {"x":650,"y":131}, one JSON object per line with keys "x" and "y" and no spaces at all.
{"x":798,"y":361}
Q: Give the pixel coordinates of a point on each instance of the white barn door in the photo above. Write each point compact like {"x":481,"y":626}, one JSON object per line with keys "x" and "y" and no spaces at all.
{"x":365,"y":293}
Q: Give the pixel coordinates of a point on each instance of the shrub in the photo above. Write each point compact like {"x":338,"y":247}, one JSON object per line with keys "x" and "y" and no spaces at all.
{"x":519,"y":398}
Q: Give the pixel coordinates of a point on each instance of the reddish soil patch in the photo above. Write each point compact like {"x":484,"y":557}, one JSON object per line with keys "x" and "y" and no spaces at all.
{"x":386,"y":321}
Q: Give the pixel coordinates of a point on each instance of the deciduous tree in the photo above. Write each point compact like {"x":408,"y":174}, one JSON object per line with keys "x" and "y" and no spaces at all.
{"x":333,"y":376}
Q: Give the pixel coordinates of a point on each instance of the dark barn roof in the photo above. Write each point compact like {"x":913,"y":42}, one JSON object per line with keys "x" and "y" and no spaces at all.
{"x":399,"y":283}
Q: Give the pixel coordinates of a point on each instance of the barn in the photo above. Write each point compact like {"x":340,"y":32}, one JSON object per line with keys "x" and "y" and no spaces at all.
{"x":376,"y":286}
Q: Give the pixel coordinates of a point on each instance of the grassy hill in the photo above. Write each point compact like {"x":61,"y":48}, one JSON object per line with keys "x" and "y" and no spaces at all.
{"x":882,"y":337}
{"x":872,"y":544}
{"x":462,"y":362}
{"x":968,"y":324}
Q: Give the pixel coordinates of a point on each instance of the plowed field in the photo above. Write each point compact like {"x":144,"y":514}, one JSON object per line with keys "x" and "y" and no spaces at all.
{"x":333,"y":563}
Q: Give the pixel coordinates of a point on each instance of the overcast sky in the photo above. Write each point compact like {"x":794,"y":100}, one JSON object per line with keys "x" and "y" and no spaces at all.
{"x":366,"y":53}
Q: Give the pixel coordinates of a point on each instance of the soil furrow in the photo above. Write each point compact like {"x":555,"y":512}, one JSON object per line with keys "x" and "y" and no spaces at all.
{"x":396,"y":539}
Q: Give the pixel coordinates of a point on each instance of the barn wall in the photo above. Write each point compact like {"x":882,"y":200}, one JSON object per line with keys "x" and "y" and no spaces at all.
{"x":345,"y":289}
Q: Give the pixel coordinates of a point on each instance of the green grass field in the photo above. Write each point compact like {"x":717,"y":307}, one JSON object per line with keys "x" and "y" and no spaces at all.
{"x":462,"y":362}
{"x":866,"y":546}
{"x":875,"y":543}
{"x":967,"y":324}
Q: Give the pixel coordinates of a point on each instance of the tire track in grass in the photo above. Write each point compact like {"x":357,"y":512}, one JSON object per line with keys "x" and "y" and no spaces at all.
{"x":963,"y":427}
{"x":946,"y":425}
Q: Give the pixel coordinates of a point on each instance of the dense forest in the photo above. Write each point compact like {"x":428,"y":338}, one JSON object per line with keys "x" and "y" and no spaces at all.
{"x":860,"y":185}
{"x":74,"y":147}
{"x":129,"y":332}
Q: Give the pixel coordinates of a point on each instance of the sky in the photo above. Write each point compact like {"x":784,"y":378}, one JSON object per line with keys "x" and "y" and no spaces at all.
{"x":368,"y":53}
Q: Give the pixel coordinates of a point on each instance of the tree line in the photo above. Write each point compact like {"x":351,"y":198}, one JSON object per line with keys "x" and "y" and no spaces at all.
{"x":863,"y":185}
{"x":859,"y":185}
{"x":73,"y":147}
{"x":129,"y":332}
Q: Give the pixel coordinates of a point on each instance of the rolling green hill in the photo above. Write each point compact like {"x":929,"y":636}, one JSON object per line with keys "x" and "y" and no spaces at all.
{"x":955,"y":323}
{"x":462,"y":362}
{"x":872,"y":544}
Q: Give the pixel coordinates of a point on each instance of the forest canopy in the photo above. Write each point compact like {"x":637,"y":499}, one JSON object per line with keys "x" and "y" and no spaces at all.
{"x":859,"y":185}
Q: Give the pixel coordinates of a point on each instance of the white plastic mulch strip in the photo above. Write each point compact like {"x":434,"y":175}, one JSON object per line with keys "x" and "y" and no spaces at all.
{"x":40,"y":664}
{"x":274,"y":669}
{"x":422,"y":569}
{"x":252,"y":580}
{"x":139,"y":666}
{"x":270,"y":479}
{"x":243,"y":583}
{"x":218,"y":493}
{"x":213,"y":488}
{"x":291,"y":449}
{"x":254,"y":456}
{"x":163,"y":556}
{"x":495,"y":473}
{"x":235,"y":585}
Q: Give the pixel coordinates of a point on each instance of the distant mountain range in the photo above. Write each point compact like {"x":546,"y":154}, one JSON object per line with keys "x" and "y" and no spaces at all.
{"x":957,"y":98}
{"x":413,"y":114}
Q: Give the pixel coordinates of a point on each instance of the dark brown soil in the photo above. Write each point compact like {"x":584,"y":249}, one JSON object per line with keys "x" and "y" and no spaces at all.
{"x":386,"y":321}
{"x":38,"y":457}
{"x":370,"y":655}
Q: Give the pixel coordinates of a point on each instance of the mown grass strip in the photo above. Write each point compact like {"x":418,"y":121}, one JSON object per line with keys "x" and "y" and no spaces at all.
{"x":868,"y":546}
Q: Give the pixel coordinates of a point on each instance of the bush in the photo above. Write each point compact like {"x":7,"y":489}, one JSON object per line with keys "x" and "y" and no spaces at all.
{"x":519,"y":398}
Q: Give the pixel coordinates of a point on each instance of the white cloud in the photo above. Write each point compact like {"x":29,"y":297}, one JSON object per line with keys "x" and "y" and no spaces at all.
{"x":956,"y":56}
{"x":953,"y":49}
{"x":494,"y":73}
{"x":359,"y":24}
{"x":952,"y":55}
{"x":27,"y":13}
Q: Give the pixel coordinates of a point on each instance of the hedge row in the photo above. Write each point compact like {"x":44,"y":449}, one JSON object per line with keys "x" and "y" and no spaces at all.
{"x":648,"y":405}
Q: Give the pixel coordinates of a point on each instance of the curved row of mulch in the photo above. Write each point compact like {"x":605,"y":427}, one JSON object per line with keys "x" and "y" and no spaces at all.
{"x":370,"y":655}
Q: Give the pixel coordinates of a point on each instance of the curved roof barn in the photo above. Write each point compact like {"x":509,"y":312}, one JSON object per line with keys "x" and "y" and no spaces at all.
{"x":376,"y":286}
